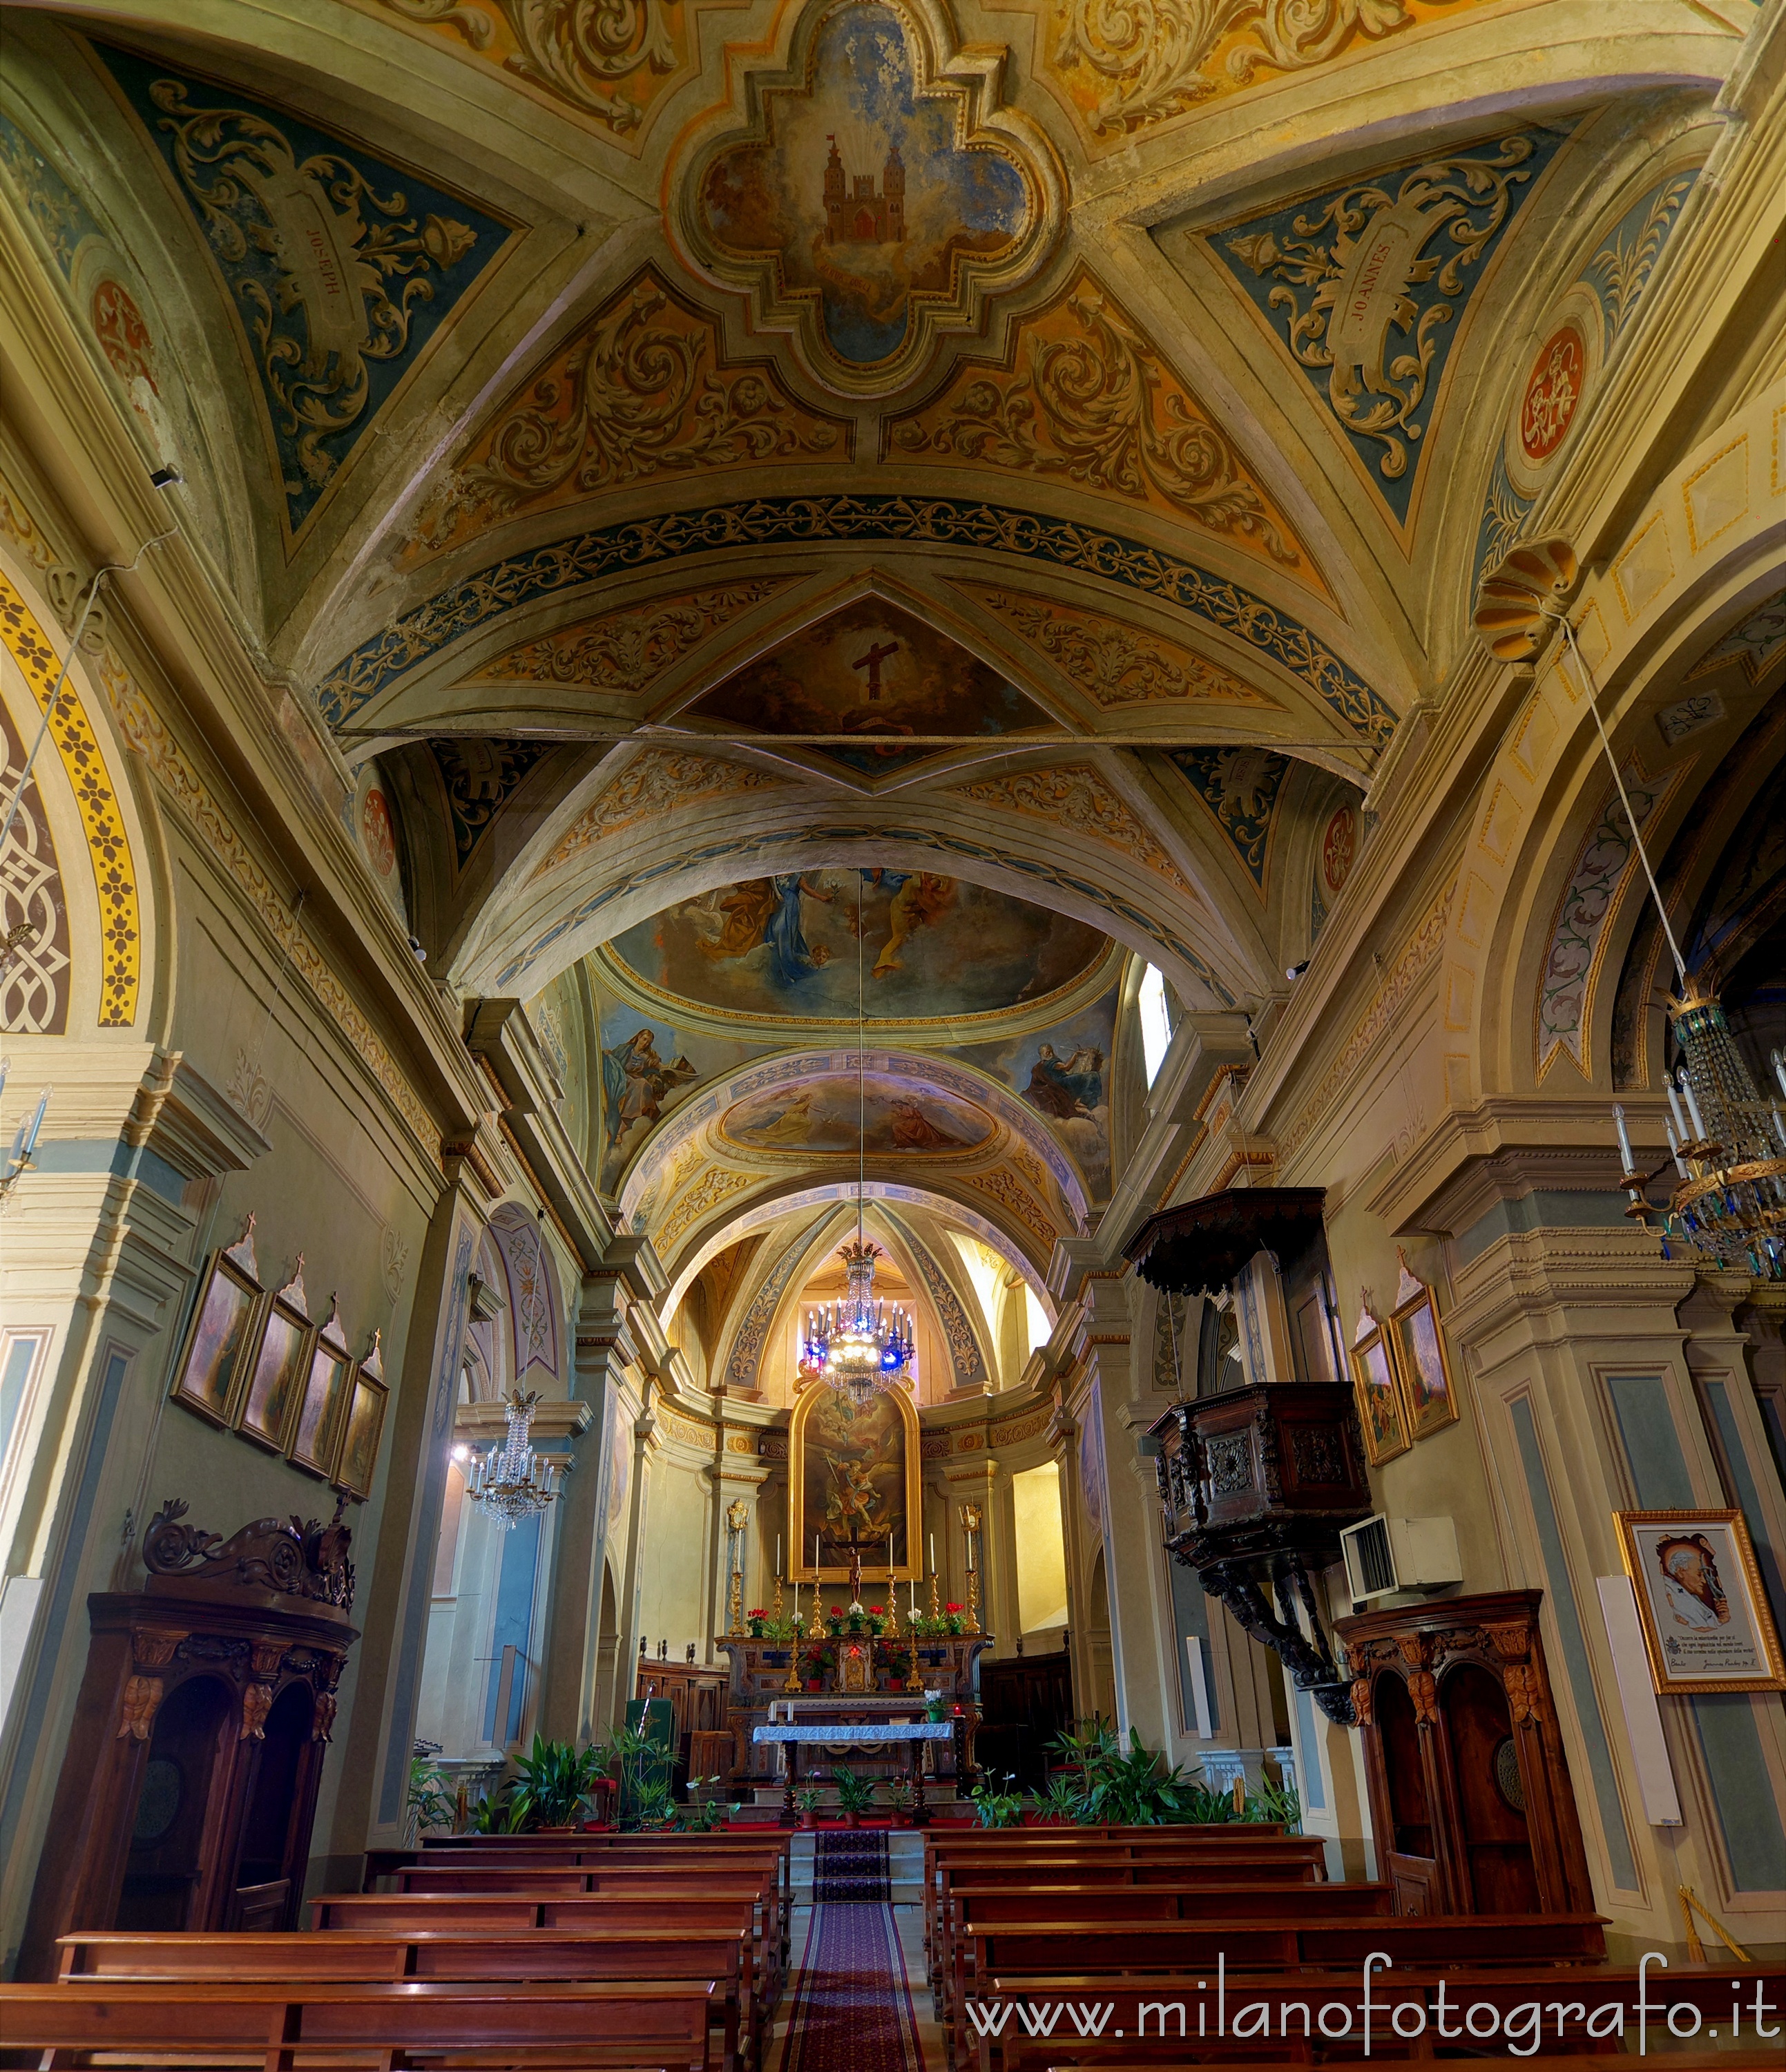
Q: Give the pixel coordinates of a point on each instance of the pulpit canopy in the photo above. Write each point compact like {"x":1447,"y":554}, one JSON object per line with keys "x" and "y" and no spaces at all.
{"x":1199,"y":1247}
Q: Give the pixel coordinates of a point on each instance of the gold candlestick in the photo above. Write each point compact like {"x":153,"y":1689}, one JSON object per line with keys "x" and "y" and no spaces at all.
{"x":892,"y":1607}
{"x":816,"y":1630}
{"x":792,"y":1682}
{"x":777,"y":1614}
{"x":973,"y":1600}
{"x":936,"y":1610}
{"x":736,"y":1626}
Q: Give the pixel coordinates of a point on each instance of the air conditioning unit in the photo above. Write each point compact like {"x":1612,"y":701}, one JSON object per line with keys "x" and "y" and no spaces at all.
{"x":1384,"y":1554}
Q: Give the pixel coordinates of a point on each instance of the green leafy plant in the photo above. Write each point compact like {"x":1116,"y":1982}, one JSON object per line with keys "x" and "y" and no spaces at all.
{"x":503,"y":1811}
{"x":994,"y":1807}
{"x":855,"y":1794}
{"x":1061,"y":1798}
{"x":902,"y":1796}
{"x":1132,"y":1787}
{"x":702,"y":1816}
{"x":640,"y":1764}
{"x":432,"y":1808}
{"x":808,"y":1799}
{"x":556,"y":1779}
{"x":1281,"y":1802}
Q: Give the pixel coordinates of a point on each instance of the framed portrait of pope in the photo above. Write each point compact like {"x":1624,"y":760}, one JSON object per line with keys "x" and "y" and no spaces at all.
{"x":1705,"y":1620}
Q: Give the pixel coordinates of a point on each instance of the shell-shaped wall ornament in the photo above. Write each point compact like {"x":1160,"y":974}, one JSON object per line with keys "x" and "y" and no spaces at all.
{"x":1519,"y":593}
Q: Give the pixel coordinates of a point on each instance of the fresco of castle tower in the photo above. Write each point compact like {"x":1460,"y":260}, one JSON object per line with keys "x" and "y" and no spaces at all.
{"x":862,"y":189}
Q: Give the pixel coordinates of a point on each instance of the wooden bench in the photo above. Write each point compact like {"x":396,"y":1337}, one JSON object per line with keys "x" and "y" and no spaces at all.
{"x":693,"y":1913}
{"x":1137,"y":2020}
{"x":1188,"y":1949}
{"x":661,"y":2026}
{"x":620,"y":1953}
{"x":632,"y":1885}
{"x":1131,"y":1857}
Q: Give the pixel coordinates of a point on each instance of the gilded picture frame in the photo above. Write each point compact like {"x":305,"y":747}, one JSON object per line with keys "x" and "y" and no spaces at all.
{"x":223,"y":1335}
{"x":823,"y":1455}
{"x":1706,"y":1619}
{"x":362,"y":1429}
{"x":328,"y":1391}
{"x":1429,"y":1393}
{"x":1376,"y":1386}
{"x":277,"y":1371}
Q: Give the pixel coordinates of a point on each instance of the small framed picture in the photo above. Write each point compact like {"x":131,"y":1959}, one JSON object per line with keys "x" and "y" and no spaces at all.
{"x":1378,"y":1390}
{"x":1705,"y":1621}
{"x":276,"y":1376}
{"x":328,"y":1388}
{"x":214,"y":1361}
{"x":365,"y":1427}
{"x":1424,"y":1366}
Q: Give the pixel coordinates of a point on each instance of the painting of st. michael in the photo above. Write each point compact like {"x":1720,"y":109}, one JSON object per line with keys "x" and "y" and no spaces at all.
{"x":851,"y":1465}
{"x":862,"y":192}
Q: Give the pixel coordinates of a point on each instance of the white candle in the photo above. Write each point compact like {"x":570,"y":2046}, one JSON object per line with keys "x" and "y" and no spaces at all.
{"x":1674,"y":1152}
{"x":914,"y":1597}
{"x":1674,"y":1106}
{"x":777,"y":1553}
{"x":1624,"y":1139}
{"x":932,"y":1553}
{"x":1779,"y":1058}
{"x":1693,"y":1108}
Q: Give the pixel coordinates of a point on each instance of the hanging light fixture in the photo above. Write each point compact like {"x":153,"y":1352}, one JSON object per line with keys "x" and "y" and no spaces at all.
{"x":1728,"y":1142}
{"x":508,"y":1478}
{"x":857,"y":1345}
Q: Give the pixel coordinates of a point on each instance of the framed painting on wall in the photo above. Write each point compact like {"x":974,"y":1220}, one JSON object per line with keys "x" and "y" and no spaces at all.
{"x":276,"y":1375}
{"x":854,"y":1472}
{"x":327,"y":1391}
{"x":1376,"y":1385}
{"x":215,"y":1359}
{"x":364,"y":1427}
{"x":1421,"y":1359}
{"x":1706,"y":1622}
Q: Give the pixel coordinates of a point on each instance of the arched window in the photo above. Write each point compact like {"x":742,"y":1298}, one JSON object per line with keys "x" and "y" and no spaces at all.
{"x":1156,"y":1021}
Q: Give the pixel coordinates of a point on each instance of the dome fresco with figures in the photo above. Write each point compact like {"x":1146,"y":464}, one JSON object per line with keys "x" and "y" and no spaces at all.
{"x":679,"y":632}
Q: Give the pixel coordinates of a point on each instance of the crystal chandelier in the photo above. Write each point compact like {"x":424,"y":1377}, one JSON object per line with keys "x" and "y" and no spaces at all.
{"x":510,"y":1480}
{"x":1728,"y":1144}
{"x":856,"y":1345}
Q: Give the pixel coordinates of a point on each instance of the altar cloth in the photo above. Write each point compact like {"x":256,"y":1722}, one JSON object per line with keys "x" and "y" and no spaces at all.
{"x":836,"y":1736}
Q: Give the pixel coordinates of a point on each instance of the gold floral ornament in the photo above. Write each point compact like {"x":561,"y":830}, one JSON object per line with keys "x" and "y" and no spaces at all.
{"x":1114,"y":663}
{"x":1128,"y":64}
{"x":640,"y":391}
{"x":622,"y":653}
{"x":107,"y":843}
{"x":608,"y":59}
{"x":1087,"y":398}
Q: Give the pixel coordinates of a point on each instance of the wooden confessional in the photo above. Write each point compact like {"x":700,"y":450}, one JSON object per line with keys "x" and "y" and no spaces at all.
{"x":1470,"y":1796}
{"x":189,"y":1785}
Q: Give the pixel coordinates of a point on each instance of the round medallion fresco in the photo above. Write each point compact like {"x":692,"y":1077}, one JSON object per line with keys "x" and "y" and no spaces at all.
{"x":1553,"y":394}
{"x":1339,"y":845}
{"x":785,"y":948}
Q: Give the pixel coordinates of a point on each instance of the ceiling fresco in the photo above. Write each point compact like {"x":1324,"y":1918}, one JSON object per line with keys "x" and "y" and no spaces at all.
{"x":866,"y":203}
{"x":823,"y":1117}
{"x":785,"y":948}
{"x":874,"y":669}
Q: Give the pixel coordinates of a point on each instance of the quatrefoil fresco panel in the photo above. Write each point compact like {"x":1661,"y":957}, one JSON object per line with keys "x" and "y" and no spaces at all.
{"x":867,"y":193}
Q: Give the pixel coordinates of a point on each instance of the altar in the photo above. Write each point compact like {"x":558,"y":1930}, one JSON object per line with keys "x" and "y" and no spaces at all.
{"x":838,"y":1738}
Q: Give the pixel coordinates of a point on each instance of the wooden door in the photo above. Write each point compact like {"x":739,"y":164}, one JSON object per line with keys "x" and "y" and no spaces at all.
{"x":181,"y":1812}
{"x":1491,"y":1799}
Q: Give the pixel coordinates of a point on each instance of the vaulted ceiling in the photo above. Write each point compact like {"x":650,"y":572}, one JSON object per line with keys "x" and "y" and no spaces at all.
{"x":685,"y":448}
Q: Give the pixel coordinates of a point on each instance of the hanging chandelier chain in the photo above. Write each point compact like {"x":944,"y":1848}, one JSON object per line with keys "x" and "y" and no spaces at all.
{"x":1728,"y":1208}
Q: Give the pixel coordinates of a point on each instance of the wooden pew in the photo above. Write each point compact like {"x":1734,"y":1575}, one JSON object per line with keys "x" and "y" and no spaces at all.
{"x":693,"y":1913}
{"x":1084,"y":1950}
{"x":662,"y":2024}
{"x":1138,"y":2019}
{"x":619,"y":1952}
{"x":1130,"y":1856}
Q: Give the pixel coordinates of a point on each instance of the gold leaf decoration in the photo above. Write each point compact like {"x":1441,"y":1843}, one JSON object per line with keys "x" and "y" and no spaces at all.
{"x":1087,"y":398}
{"x":1076,"y":796}
{"x":642,"y":390}
{"x":1128,"y":64}
{"x":624,"y":652}
{"x":1115,"y":664}
{"x":606,"y":59}
{"x":659,"y":781}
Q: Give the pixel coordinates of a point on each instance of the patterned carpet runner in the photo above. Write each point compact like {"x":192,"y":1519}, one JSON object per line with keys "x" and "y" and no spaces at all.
{"x":852,"y":2008}
{"x":850,"y":1866}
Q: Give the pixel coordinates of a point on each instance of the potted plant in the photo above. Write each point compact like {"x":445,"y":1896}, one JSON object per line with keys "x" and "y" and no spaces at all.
{"x":430,"y":1809}
{"x":996,"y":1808}
{"x":953,"y":1621}
{"x":902,"y":1795}
{"x":855,"y":1795}
{"x":936,"y":1707}
{"x":808,"y":1799}
{"x":555,"y":1777}
{"x":756,"y":1623}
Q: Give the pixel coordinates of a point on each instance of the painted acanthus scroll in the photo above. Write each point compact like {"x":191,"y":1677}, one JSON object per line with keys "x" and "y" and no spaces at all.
{"x":1153,"y":58}
{"x":584,"y":50}
{"x":1089,"y":400}
{"x":635,"y":393}
{"x":1346,"y":277}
